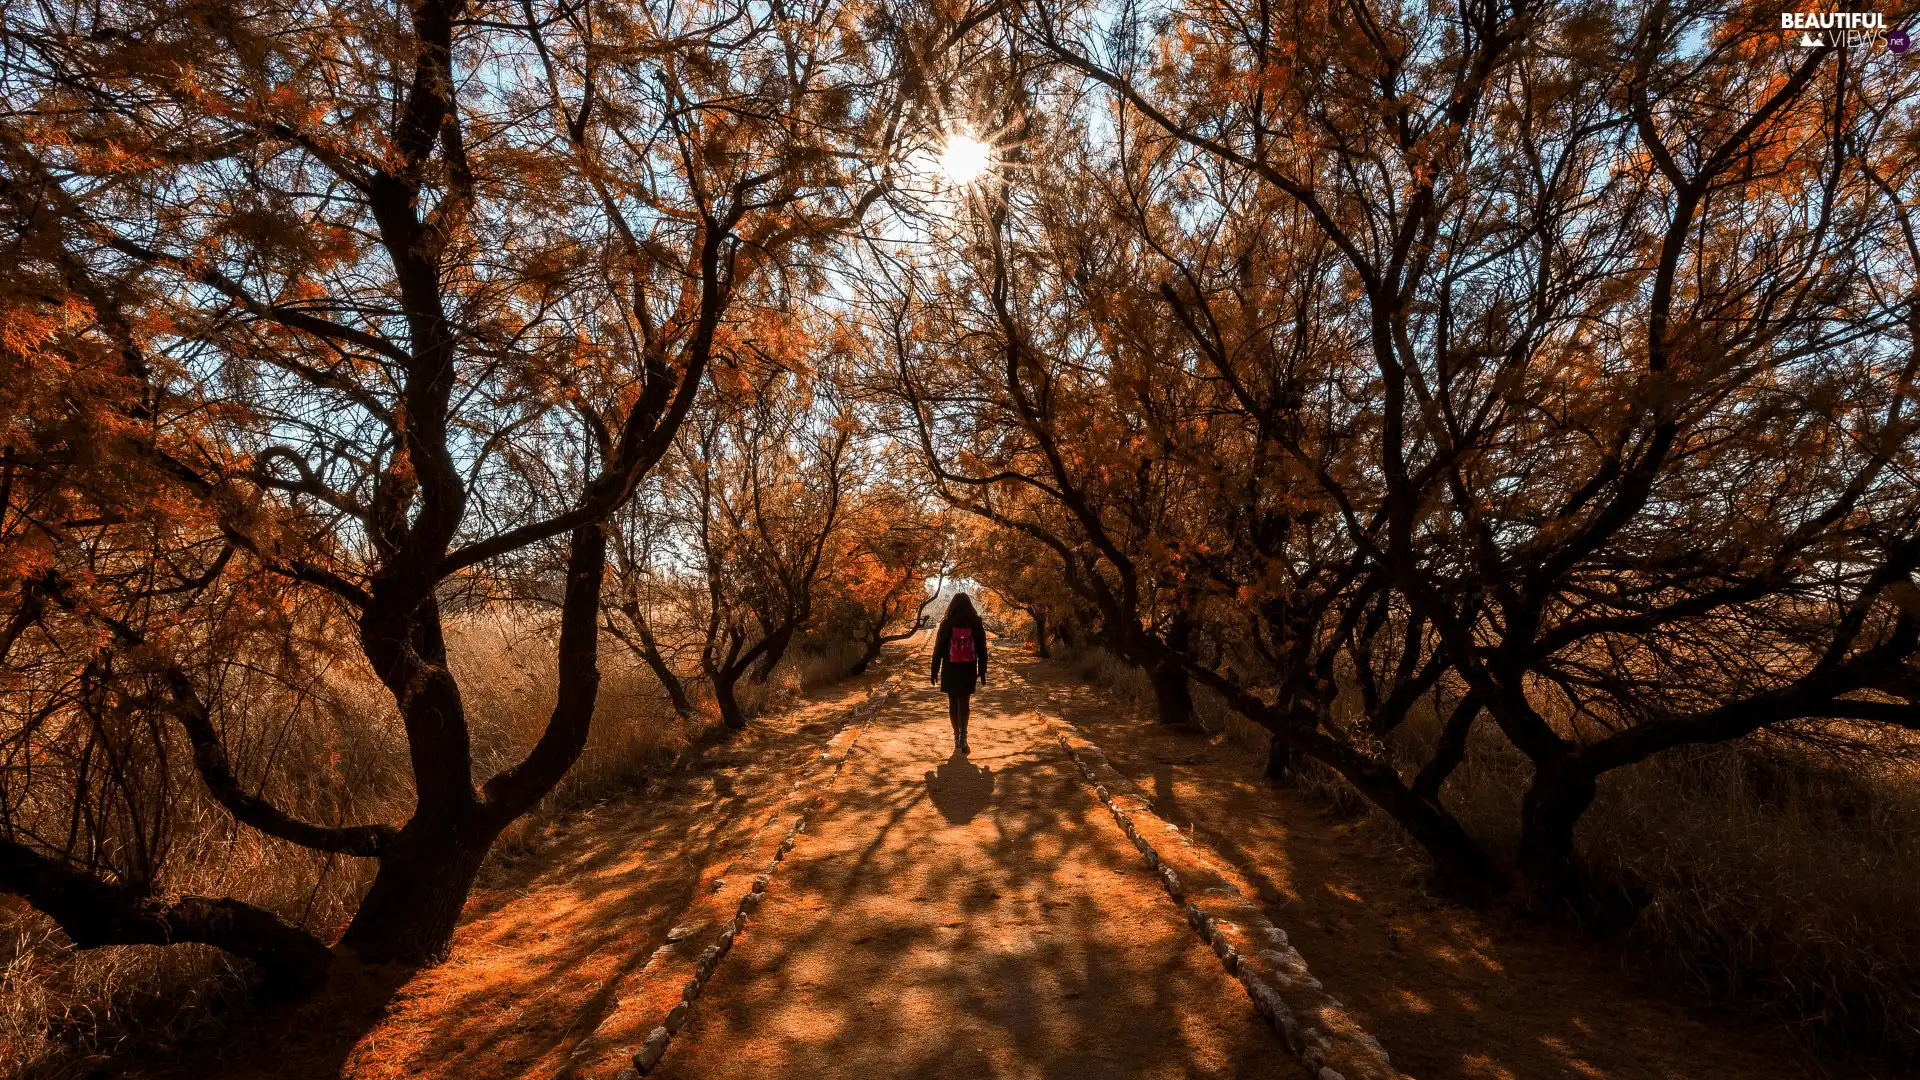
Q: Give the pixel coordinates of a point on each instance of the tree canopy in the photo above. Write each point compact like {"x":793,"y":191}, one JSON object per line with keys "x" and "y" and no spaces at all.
{"x":1546,"y":364}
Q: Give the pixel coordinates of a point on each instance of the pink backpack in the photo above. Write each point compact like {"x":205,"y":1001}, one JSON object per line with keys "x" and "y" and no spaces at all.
{"x":960,"y":646}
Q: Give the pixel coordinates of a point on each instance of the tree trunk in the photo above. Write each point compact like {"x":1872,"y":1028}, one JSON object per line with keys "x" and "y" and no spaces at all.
{"x":676,"y":690}
{"x":427,"y":869}
{"x":409,"y":914}
{"x":650,"y":653}
{"x":1283,"y":761}
{"x":1450,"y":751}
{"x":1039,"y":632}
{"x":1552,"y":806}
{"x":1461,"y":866}
{"x":723,"y":695}
{"x":773,"y":647}
{"x":874,"y":641}
{"x":1172,"y":693}
{"x":95,"y":912}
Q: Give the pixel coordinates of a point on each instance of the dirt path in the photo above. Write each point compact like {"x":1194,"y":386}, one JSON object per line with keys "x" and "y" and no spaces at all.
{"x":944,"y":916}
{"x":939,"y":916}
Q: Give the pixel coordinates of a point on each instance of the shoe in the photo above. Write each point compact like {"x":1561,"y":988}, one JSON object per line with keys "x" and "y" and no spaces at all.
{"x":964,"y":748}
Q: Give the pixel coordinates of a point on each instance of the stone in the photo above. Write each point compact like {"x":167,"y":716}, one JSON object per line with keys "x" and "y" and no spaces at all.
{"x":1286,"y":959}
{"x":1373,"y":1044}
{"x":682,"y":932}
{"x":677,"y":1017}
{"x":709,"y":959}
{"x":1269,"y":1004}
{"x":1198,"y":920}
{"x":649,"y":1055}
{"x":760,"y":884}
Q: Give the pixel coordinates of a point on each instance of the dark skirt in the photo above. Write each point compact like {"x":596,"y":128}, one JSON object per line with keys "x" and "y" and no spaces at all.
{"x":958,"y":678}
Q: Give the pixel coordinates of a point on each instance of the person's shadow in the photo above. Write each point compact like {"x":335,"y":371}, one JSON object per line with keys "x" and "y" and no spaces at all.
{"x":960,"y":789}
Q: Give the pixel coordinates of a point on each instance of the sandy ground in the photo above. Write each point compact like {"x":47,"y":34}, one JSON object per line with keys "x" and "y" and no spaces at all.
{"x":946,"y":916}
{"x":964,"y":917}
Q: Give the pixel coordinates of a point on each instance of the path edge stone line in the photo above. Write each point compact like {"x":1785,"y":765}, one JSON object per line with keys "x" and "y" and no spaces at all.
{"x":835,"y":757}
{"x":1315,"y":1026}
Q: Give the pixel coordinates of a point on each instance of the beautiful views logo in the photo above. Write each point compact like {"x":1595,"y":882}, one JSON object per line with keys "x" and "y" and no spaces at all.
{"x":1842,"y":29}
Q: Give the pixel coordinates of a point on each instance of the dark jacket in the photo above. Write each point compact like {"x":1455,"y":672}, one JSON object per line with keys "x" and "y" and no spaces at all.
{"x":959,"y":678}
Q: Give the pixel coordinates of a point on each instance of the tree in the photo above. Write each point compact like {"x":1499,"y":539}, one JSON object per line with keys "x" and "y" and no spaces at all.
{"x":384,"y":304}
{"x":1022,"y":416}
{"x":892,"y":547}
{"x":1583,"y":284}
{"x":1015,"y":571}
{"x":760,"y":490}
{"x":643,"y":612}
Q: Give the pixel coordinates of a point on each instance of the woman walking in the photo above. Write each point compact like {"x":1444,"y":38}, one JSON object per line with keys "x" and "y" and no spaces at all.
{"x":960,"y":648}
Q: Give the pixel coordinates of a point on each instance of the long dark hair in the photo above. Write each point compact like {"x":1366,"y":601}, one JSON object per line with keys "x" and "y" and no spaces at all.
{"x":960,"y":613}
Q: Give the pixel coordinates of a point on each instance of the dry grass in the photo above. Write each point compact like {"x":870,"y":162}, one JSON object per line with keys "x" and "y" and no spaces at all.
{"x":337,"y":753}
{"x":505,"y":664}
{"x":1775,"y":872}
{"x":1130,"y":683}
{"x":819,"y":664}
{"x":1772,"y":871}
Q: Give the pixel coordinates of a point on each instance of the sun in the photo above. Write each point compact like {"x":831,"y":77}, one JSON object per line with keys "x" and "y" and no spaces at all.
{"x":964,"y":158}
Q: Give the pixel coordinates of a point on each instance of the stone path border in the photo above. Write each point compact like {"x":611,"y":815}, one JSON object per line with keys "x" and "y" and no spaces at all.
{"x":1316,"y":1027}
{"x":695,"y":947}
